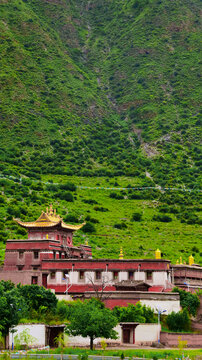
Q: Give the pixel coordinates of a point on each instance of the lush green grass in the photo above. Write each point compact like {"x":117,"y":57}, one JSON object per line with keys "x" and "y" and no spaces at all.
{"x":139,"y":239}
{"x":145,"y":353}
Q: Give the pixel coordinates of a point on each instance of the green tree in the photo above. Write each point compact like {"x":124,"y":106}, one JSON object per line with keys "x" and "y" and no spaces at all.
{"x":178,"y":321}
{"x":12,"y":306}
{"x":188,"y":300}
{"x":91,"y":318}
{"x":135,"y":313}
{"x":39,"y":300}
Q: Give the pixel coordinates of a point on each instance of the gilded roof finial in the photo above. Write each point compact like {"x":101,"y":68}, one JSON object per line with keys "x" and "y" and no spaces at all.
{"x":86,"y":242}
{"x":177,"y":262}
{"x":51,"y":209}
{"x":181,"y":260}
{"x":121,"y":253}
{"x":191,"y":260}
{"x":157,"y":254}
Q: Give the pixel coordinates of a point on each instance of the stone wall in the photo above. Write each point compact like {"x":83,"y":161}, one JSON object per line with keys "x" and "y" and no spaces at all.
{"x":172,"y":339}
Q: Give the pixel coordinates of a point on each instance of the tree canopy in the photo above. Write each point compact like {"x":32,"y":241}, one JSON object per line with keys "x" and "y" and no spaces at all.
{"x":91,"y":318}
{"x":188,"y":300}
{"x":12,"y":306}
{"x":136,"y":313}
{"x":31,"y":301}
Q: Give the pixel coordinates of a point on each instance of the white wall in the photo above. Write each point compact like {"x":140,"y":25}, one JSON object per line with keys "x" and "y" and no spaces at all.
{"x":81,"y":341}
{"x":123,"y":275}
{"x":37,"y":331}
{"x":64,"y":297}
{"x":159,"y":278}
{"x":168,"y":305}
{"x":146,"y":333}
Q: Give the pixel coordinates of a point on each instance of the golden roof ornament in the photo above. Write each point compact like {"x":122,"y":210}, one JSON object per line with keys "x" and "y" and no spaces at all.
{"x":181,"y":260}
{"x":157,"y":254}
{"x":191,"y":260}
{"x":121,"y":253}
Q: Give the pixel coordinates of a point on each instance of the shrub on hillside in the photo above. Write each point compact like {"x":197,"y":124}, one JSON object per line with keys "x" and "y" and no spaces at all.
{"x":115,"y":195}
{"x":88,"y":228}
{"x":100,"y":208}
{"x":162,"y":218}
{"x":70,"y":219}
{"x":64,"y":195}
{"x":137,"y":216}
{"x":68,"y":186}
{"x":90,"y":201}
{"x":120,"y":225}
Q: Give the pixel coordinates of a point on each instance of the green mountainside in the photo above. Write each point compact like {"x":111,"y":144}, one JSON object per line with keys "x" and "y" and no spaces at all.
{"x":103,"y":92}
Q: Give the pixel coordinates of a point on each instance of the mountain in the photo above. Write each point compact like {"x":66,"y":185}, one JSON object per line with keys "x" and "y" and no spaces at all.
{"x":101,"y":88}
{"x":103,"y":93}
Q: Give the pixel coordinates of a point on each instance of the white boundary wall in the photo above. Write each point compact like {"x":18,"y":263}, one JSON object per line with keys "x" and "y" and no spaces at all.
{"x":168,"y":305}
{"x":146,"y":334}
{"x":37,"y":331}
{"x":85,"y":341}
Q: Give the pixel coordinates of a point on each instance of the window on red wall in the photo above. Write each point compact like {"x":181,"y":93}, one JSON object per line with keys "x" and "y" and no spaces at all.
{"x":36,"y":254}
{"x":52,"y":275}
{"x":21,"y":253}
{"x":149,"y":275}
{"x":115,"y":275}
{"x":98,"y":275}
{"x":34,"y":280}
{"x":81,"y":275}
{"x":130,"y":275}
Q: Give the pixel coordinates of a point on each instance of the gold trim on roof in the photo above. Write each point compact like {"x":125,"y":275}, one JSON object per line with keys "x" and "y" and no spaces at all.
{"x":49,"y":219}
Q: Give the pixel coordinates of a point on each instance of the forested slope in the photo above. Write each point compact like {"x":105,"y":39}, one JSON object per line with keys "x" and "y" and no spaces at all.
{"x":101,"y":87}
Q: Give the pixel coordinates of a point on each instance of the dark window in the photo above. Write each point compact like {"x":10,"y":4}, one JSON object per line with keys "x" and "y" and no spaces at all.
{"x":130,"y":275}
{"x":21,"y":254}
{"x":52,"y":275}
{"x":65,"y":273}
{"x":35,"y":267}
{"x":20,"y":267}
{"x":98,"y":275}
{"x":115,"y":275}
{"x":34,"y":280}
{"x":81,"y":275}
{"x":36,"y":254}
{"x":149,"y":275}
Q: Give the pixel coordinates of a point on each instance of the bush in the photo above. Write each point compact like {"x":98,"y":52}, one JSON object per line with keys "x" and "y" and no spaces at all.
{"x":120,"y":225}
{"x":162,"y":218}
{"x":88,"y":228}
{"x":90,"y":201}
{"x":100,"y":208}
{"x":68,"y":186}
{"x":137,"y":216}
{"x":114,"y":195}
{"x":179,"y":321}
{"x":71,"y":219}
{"x":65,"y":195}
{"x":188,"y":301}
